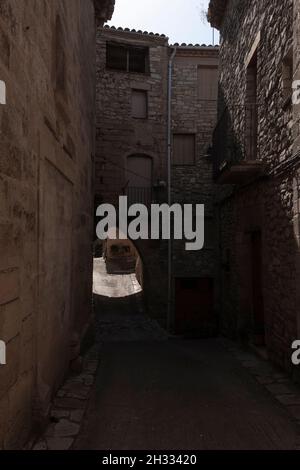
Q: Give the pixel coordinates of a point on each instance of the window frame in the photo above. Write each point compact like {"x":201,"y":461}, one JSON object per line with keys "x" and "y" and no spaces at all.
{"x":128,"y":48}
{"x":180,"y":133}
{"x":145,"y":92}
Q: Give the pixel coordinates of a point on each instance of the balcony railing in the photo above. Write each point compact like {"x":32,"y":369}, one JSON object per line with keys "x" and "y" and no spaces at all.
{"x":139,"y":195}
{"x":235,"y":144}
{"x":145,"y":195}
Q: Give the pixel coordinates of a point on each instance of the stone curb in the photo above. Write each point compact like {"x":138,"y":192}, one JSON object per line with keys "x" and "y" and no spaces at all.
{"x":278,"y":384}
{"x":69,"y":407}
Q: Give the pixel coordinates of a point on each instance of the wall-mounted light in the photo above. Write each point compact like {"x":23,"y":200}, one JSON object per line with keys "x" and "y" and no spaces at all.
{"x":2,"y":92}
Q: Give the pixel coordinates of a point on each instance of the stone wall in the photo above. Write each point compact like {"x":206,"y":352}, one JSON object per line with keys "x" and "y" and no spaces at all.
{"x":119,"y":135}
{"x":47,"y":146}
{"x":193,"y":184}
{"x":265,"y":205}
{"x":296,"y":143}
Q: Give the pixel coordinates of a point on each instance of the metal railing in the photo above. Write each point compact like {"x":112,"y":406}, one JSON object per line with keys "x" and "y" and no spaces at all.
{"x":156,"y":194}
{"x":235,"y":137}
{"x":139,"y":195}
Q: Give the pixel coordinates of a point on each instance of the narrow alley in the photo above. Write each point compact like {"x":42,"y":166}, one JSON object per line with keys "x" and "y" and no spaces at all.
{"x":149,"y":228}
{"x":155,"y":391}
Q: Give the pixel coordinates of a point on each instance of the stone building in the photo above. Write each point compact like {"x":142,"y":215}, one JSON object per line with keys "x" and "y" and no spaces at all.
{"x":256,"y":165}
{"x":47,"y":147}
{"x":194,"y":113}
{"x":132,"y":151}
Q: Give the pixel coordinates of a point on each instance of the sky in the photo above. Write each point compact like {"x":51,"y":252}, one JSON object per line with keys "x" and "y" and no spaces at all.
{"x":183,"y":21}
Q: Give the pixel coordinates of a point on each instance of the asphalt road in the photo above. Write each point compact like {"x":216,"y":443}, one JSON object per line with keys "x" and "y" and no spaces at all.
{"x":155,"y":393}
{"x":181,"y":394}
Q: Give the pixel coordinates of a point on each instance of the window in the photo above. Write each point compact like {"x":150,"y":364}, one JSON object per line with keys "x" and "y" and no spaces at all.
{"x":287,"y":78}
{"x":207,"y":83}
{"x":127,"y":58}
{"x":184,"y":149}
{"x":139,"y":104}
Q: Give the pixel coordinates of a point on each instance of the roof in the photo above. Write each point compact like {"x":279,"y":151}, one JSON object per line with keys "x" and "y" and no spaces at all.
{"x":216,"y":11}
{"x":158,"y":36}
{"x":134,"y":31}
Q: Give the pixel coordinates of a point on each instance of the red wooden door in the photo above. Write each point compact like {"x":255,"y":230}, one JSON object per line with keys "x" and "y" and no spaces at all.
{"x":194,"y":306}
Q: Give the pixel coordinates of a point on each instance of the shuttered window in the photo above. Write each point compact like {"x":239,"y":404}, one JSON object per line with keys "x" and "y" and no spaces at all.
{"x":127,"y":58}
{"x":139,"y":104}
{"x":207,"y":83}
{"x":184,"y":149}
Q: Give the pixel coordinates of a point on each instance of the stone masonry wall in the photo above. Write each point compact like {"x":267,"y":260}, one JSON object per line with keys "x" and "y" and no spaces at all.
{"x":267,"y":204}
{"x":296,"y":143}
{"x":193,"y":184}
{"x":47,"y":143}
{"x":119,"y":135}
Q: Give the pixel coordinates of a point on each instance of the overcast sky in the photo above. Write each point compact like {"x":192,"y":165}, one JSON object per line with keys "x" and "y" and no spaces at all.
{"x":180,"y":20}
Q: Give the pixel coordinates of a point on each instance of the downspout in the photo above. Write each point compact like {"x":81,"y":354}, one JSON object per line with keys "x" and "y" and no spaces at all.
{"x":169,"y":131}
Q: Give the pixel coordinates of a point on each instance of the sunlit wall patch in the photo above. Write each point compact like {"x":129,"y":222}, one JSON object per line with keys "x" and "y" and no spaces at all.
{"x":2,"y":353}
{"x":2,"y":92}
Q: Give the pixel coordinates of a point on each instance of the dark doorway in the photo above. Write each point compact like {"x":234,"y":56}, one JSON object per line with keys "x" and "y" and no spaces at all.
{"x":257,"y":291}
{"x":194,"y":307}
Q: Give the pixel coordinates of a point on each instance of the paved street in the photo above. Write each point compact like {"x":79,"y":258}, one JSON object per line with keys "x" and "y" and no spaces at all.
{"x":155,"y":392}
{"x":113,"y":286}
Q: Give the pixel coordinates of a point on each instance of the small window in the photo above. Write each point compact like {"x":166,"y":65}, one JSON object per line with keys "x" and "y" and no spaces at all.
{"x":207,"y":83}
{"x":184,"y":149}
{"x":139,"y":104}
{"x":127,"y":58}
{"x":137,"y":59}
{"x":116,"y":57}
{"x":287,"y":78}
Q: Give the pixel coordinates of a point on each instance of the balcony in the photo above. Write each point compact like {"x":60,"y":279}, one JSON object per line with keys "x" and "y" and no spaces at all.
{"x":236,"y":152}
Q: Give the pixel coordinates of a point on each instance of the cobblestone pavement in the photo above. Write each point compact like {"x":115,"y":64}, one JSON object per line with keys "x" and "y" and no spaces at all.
{"x":276,"y":382}
{"x":68,"y":408}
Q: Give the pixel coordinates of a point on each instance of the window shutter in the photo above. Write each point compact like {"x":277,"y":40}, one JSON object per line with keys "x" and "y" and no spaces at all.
{"x":139,"y":104}
{"x":184,"y":149}
{"x":208,"y":83}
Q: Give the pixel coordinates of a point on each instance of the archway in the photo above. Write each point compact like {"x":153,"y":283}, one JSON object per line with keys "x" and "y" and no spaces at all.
{"x":118,"y":268}
{"x":117,"y":289}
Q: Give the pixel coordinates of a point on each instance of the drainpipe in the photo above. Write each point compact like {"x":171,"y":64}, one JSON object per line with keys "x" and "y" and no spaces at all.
{"x":169,"y":130}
